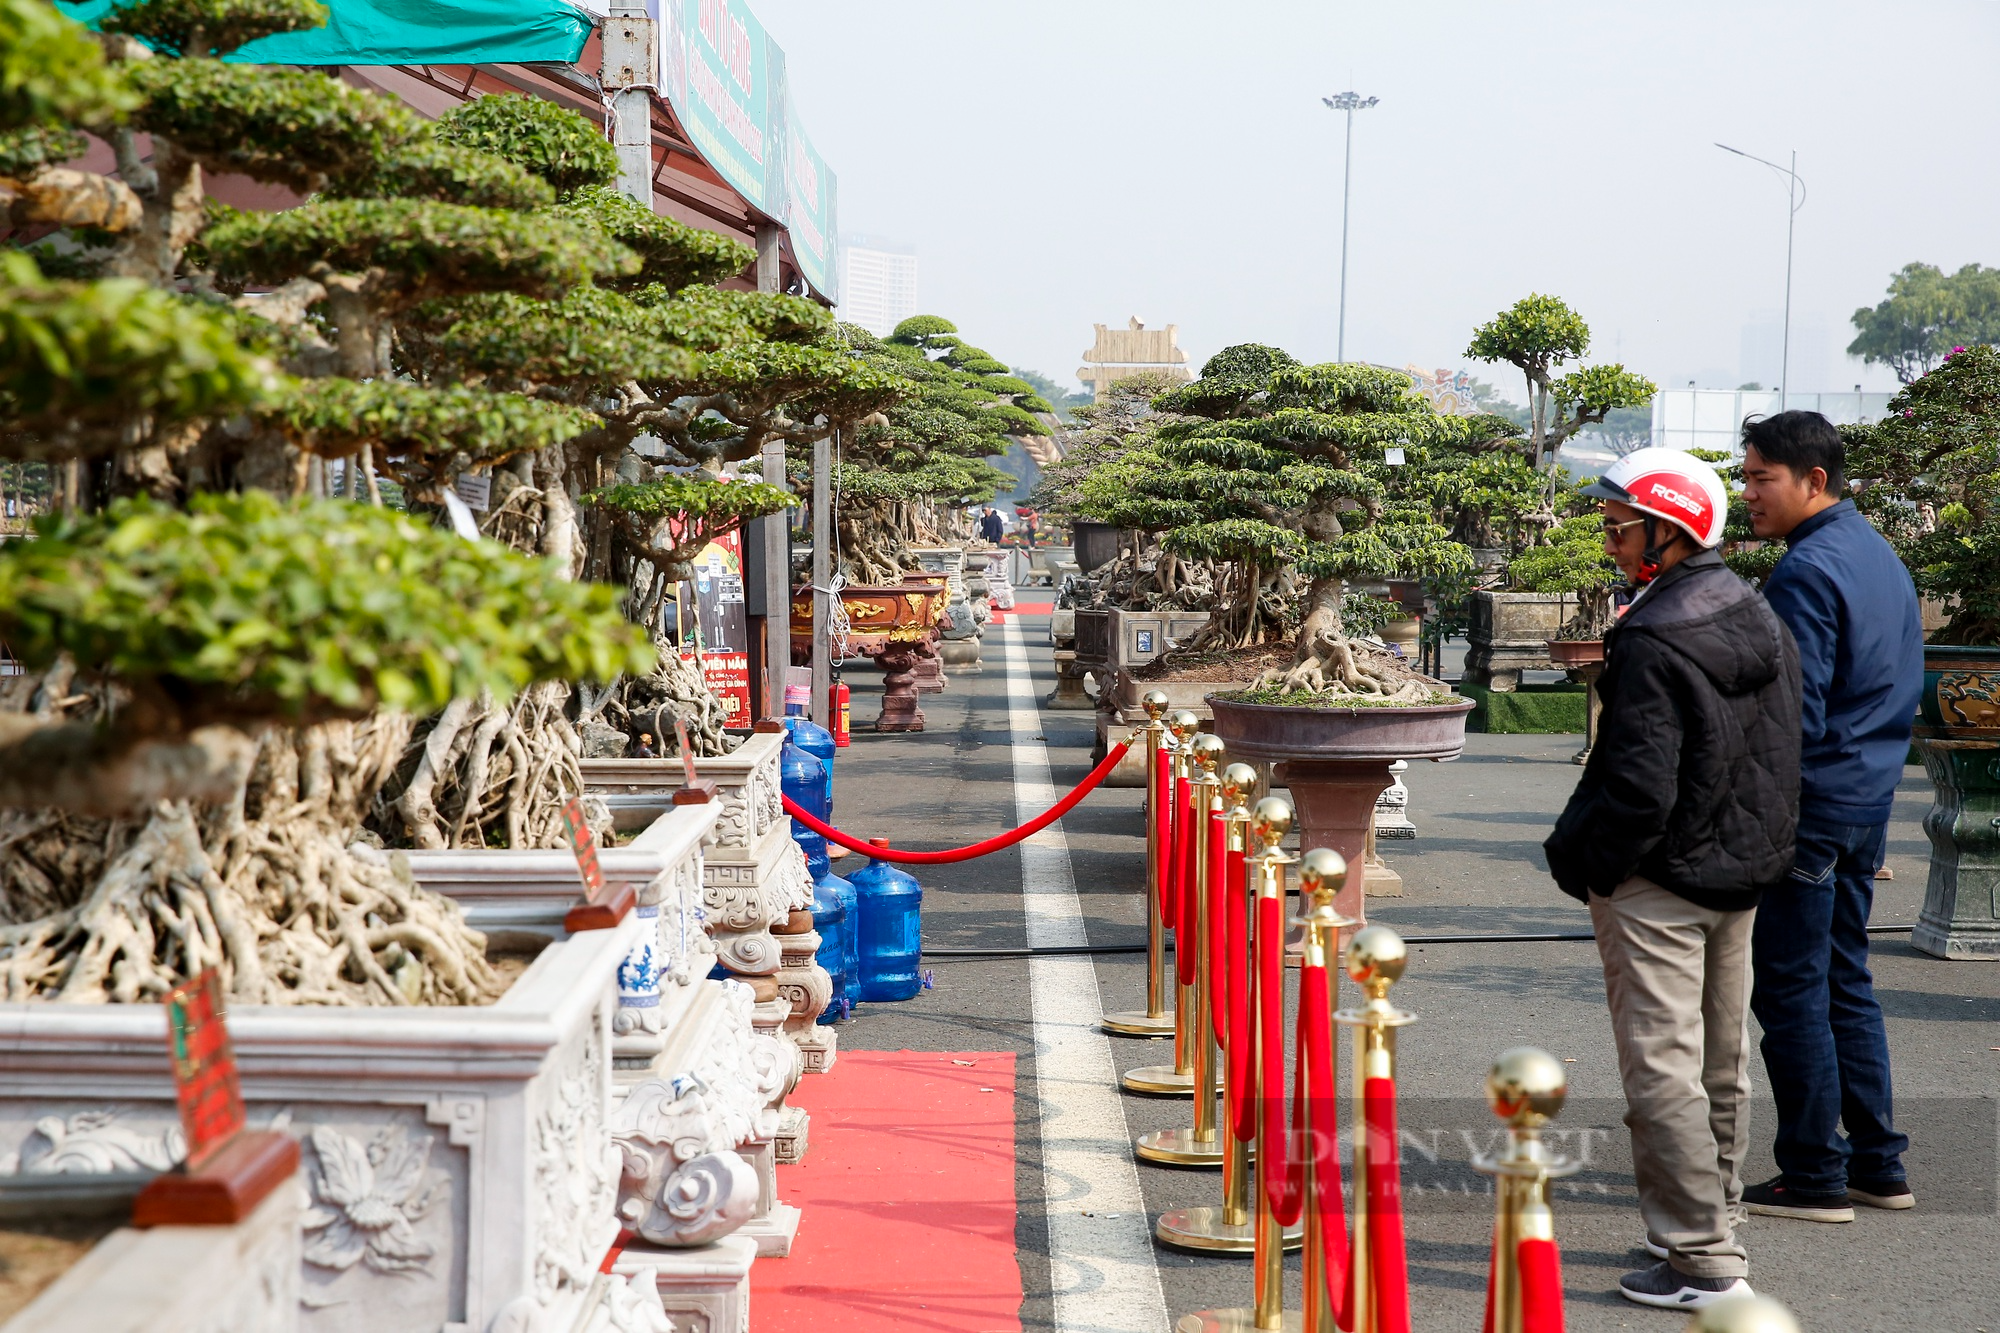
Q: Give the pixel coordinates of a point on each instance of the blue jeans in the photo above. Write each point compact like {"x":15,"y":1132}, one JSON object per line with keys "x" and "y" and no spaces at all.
{"x":1824,"y":1047}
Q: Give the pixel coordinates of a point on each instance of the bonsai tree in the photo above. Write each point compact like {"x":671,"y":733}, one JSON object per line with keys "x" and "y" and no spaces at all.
{"x":1930,"y":480}
{"x":908,"y":468}
{"x":221,"y":673}
{"x":1278,"y":473}
{"x":1572,"y":561}
{"x":1538,"y":335}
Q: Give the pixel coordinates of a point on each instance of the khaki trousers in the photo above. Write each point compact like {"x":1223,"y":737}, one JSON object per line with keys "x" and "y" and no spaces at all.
{"x":1678,"y":980}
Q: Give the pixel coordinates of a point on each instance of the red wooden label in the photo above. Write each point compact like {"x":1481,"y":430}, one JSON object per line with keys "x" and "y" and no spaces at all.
{"x":584,"y":844}
{"x":687,"y":752}
{"x":205,"y":1082}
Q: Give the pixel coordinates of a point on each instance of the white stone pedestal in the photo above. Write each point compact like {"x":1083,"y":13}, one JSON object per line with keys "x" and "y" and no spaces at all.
{"x":703,"y":1290}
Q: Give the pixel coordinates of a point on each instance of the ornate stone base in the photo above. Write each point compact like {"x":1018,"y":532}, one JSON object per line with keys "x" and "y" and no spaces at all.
{"x":1959,"y":917}
{"x":703,"y":1290}
{"x":789,"y":1145}
{"x":1070,"y":694}
{"x":775,"y":1225}
{"x":963,"y":655}
{"x":899,"y":689}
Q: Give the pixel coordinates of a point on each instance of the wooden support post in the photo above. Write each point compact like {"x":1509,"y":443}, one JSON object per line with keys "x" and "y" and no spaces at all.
{"x":777,"y":574}
{"x":822,"y":576}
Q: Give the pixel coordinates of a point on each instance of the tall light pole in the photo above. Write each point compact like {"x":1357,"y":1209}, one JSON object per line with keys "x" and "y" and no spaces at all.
{"x":1795,"y":195}
{"x":1350,"y":103}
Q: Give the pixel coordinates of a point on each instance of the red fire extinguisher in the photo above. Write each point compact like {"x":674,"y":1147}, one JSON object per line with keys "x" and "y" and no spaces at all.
{"x":837,"y":711}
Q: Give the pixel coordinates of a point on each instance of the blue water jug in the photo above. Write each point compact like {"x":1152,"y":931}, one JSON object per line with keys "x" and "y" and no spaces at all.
{"x":833,"y":918}
{"x":891,"y":930}
{"x":801,"y":777}
{"x":816,"y":741}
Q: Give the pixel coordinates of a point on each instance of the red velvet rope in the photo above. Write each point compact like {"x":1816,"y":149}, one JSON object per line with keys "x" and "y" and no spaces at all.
{"x":1388,"y":1262}
{"x":1242,"y":983}
{"x":1316,"y":1050}
{"x":1162,"y":815}
{"x":1186,"y":955}
{"x":1279,"y":1164}
{"x":1218,"y":928}
{"x":994,"y":844}
{"x":1541,"y":1287}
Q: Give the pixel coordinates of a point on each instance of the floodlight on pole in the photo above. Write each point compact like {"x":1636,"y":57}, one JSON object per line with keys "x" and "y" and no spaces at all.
{"x":1350,"y":102}
{"x":1795,"y":195}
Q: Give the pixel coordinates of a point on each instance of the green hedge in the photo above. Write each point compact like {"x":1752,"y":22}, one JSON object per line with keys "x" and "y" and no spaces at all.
{"x":1529,"y":710}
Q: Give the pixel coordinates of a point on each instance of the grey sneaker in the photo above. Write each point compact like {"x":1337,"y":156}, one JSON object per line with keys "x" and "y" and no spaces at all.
{"x":1666,"y":1288}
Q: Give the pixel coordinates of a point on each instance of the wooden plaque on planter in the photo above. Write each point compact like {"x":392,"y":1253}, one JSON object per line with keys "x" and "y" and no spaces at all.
{"x":205,"y":1082}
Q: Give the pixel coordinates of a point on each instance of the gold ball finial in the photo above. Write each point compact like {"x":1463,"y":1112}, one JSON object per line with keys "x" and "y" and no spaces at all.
{"x":1238,"y":781}
{"x":1322,"y":874}
{"x":1207,"y":749}
{"x":1526,"y":1087}
{"x":1271,"y":821}
{"x":1155,"y":703}
{"x":1183,"y":724}
{"x":1744,"y":1314}
{"x":1376,"y":957}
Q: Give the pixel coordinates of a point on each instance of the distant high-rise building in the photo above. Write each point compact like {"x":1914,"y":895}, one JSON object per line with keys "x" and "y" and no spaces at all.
{"x":878,"y":283}
{"x":1121,"y":353}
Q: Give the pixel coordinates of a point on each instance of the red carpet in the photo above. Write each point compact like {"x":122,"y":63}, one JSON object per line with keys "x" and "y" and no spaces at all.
{"x":1031,"y":608}
{"x":908,"y":1192}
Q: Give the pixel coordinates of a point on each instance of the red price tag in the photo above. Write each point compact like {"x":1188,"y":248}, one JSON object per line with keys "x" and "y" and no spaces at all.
{"x":205,"y":1082}
{"x":687,"y":751}
{"x":584,"y":844}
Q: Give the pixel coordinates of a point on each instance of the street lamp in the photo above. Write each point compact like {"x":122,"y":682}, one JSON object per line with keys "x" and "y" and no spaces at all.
{"x":1350,"y":103}
{"x":1795,"y":195}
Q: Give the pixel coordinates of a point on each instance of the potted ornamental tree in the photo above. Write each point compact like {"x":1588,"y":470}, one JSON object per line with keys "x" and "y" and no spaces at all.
{"x":1927,"y":475}
{"x":1279,"y":472}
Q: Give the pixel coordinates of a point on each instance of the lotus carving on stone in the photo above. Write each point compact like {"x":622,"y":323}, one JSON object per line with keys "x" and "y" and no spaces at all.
{"x":367,"y":1199}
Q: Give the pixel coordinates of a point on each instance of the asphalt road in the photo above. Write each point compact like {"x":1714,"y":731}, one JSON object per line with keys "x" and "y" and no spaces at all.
{"x":1476,"y":866}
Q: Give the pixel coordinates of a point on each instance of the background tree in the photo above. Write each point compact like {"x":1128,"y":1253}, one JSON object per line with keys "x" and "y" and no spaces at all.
{"x":1930,"y":480}
{"x":1278,"y":472}
{"x":1926,"y":314}
{"x":1538,"y":335}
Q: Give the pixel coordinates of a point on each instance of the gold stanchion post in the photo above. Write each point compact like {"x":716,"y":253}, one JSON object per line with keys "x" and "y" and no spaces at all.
{"x":1322,"y":873}
{"x":1525,"y":1088}
{"x":1158,"y":1018}
{"x":1376,"y":957}
{"x":1269,"y":823}
{"x":1176,"y":1080}
{"x":1201,"y":1145}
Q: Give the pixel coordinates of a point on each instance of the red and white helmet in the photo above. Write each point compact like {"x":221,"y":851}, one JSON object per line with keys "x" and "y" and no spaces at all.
{"x":1672,"y":484}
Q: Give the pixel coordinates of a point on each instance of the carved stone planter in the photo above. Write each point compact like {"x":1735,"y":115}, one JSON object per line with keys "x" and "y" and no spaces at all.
{"x":1509,"y":632}
{"x":1960,"y":744}
{"x":242,"y":1278}
{"x":1119,"y":711}
{"x":458,"y":1160}
{"x":893,"y":625}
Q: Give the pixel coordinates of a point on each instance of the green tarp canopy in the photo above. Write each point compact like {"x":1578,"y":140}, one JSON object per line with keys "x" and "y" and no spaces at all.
{"x":413,"y":32}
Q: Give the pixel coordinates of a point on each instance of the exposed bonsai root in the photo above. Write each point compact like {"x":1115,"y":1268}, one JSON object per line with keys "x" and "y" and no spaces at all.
{"x":267,"y":889}
{"x":650,"y":703}
{"x":1339,"y":665}
{"x":478,"y":775}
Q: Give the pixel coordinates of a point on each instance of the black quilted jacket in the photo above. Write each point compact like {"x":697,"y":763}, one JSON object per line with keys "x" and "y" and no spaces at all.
{"x":1694,"y":779}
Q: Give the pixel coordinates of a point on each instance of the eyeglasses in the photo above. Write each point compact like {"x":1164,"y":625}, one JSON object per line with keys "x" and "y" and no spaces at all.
{"x":1618,"y":529}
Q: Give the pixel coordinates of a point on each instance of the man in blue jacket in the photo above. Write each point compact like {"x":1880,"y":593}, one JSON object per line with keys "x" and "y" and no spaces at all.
{"x":1853,"y":611}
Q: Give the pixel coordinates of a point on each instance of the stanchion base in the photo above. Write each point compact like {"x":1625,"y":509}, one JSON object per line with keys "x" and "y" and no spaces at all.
{"x":1235,"y":1321}
{"x":1161,"y":1081}
{"x":1203,"y":1229}
{"x":1179,"y":1147}
{"x":1138,"y":1023}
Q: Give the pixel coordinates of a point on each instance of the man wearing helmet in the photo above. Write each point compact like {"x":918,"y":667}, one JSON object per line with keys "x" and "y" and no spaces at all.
{"x":1684,"y":815}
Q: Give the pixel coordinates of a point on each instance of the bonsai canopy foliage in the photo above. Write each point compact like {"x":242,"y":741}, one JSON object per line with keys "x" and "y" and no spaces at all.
{"x":1279,"y":472}
{"x":244,"y":610}
{"x":1930,"y":479}
{"x":1538,"y":334}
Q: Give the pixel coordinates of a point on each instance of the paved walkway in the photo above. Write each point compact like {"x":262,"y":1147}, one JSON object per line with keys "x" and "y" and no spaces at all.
{"x":991,"y":758}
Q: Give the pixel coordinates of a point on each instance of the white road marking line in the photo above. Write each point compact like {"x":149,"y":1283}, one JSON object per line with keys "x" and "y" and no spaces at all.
{"x":1101,"y":1261}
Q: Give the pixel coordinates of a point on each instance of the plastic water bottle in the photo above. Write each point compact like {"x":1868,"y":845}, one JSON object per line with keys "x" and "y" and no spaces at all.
{"x":801,"y":777}
{"x":818,"y":742}
{"x":891,"y":930}
{"x":833,"y":914}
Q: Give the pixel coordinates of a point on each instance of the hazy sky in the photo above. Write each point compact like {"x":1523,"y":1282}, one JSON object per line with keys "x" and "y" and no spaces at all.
{"x":1061,"y":164}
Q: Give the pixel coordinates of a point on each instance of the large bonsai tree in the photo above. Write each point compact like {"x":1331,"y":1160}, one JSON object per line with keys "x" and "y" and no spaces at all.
{"x":907,"y":470}
{"x":221,"y":673}
{"x":1538,"y":335}
{"x":1279,"y":472}
{"x":1930,"y":480}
